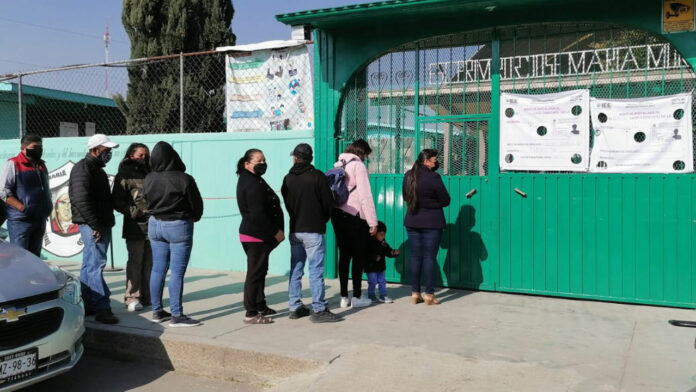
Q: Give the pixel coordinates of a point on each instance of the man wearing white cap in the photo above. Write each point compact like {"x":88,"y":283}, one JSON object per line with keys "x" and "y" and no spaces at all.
{"x":92,"y":209}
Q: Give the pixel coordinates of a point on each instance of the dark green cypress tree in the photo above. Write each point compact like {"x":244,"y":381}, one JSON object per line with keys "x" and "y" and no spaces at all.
{"x":163,"y":27}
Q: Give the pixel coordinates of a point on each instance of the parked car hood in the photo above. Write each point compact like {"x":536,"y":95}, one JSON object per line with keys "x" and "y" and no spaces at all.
{"x":22,"y":274}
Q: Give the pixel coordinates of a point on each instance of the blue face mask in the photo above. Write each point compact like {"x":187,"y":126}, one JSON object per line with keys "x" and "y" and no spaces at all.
{"x":105,"y":156}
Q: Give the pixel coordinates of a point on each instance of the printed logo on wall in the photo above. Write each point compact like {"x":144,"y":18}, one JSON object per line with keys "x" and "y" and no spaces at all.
{"x":645,"y":135}
{"x":269,"y":89}
{"x":62,"y":236}
{"x":545,"y":132}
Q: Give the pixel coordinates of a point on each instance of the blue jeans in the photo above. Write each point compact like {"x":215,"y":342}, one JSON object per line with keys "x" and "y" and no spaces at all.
{"x":424,"y":245}
{"x":310,"y":248}
{"x":376,"y":279}
{"x":95,"y":292}
{"x":27,"y":235}
{"x":171,"y":243}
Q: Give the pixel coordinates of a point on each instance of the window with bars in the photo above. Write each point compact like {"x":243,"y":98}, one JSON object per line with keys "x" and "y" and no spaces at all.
{"x":437,"y":92}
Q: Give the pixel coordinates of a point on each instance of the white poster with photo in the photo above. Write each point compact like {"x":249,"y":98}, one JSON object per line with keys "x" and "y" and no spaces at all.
{"x":644,"y":135}
{"x":268,"y":89}
{"x":548,"y":132}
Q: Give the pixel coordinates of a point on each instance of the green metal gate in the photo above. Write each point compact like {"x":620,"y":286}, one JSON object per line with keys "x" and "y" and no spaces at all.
{"x":625,"y":237}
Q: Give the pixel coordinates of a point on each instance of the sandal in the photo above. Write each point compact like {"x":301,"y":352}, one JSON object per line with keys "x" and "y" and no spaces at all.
{"x":267,"y":312}
{"x":258,"y":319}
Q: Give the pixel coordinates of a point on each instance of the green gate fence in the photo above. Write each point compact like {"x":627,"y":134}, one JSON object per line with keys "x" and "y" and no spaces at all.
{"x":622,"y":237}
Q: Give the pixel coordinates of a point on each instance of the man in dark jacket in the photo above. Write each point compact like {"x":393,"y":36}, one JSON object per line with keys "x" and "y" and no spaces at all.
{"x":24,"y":188}
{"x":308,"y":200}
{"x":92,"y":210}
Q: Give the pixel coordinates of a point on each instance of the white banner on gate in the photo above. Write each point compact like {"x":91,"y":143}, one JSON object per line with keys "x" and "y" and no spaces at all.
{"x":269,"y":89}
{"x":548,"y":132}
{"x":644,"y":135}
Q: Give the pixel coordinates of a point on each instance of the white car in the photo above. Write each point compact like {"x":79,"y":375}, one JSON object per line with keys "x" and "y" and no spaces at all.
{"x":41,"y":319}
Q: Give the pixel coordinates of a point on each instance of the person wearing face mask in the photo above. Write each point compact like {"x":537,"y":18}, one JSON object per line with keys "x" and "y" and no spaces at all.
{"x":129,"y":200}
{"x":261,"y":230}
{"x":354,"y":223}
{"x":25,"y":190}
{"x":93,"y":211}
{"x":174,"y":203}
{"x":425,"y":196}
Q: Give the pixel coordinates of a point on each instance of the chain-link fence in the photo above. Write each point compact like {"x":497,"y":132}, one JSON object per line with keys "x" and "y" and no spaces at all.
{"x":167,"y":94}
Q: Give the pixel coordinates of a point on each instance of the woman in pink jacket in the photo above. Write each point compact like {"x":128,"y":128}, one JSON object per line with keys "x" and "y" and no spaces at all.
{"x":354,"y":222}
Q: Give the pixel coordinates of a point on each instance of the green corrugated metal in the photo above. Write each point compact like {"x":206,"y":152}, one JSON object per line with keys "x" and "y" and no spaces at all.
{"x":618,"y":237}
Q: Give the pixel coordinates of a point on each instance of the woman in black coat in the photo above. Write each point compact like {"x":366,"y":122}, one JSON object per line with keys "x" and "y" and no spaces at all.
{"x":425,"y":196}
{"x":260,"y":232}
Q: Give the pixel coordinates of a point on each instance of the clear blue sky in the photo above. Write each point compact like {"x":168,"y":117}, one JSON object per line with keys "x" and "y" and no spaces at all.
{"x":36,"y":34}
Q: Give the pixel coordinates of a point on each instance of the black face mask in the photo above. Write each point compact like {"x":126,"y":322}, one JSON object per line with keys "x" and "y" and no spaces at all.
{"x":34,"y":153}
{"x":105,"y":156}
{"x":260,"y":169}
{"x":437,"y":166}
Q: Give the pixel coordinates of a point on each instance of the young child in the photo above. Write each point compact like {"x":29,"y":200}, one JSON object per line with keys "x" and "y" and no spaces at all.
{"x":376,"y":265}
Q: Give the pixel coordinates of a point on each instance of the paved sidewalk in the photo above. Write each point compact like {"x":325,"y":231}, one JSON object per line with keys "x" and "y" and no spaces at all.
{"x":477,"y":341}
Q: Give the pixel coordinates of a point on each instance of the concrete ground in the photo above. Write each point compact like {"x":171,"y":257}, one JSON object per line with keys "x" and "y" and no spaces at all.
{"x":94,"y":373}
{"x":473,"y":341}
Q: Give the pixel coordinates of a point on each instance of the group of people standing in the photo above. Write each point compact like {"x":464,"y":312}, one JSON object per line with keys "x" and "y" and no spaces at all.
{"x":160,"y":203}
{"x":310,"y":202}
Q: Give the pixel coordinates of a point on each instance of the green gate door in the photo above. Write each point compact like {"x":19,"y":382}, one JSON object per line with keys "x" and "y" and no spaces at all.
{"x":464,"y":254}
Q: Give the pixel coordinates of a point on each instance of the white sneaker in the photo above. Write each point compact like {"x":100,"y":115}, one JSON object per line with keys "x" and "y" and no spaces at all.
{"x":385,"y":299}
{"x":345,"y":302}
{"x":135,"y":306}
{"x":361,"y":302}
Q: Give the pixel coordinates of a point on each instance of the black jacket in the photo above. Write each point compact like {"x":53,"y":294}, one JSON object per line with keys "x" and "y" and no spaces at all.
{"x":259,"y":206}
{"x":378,"y":252}
{"x":90,"y":194}
{"x":171,"y":194}
{"x":432,"y":198}
{"x":129,"y":198}
{"x":308,"y":199}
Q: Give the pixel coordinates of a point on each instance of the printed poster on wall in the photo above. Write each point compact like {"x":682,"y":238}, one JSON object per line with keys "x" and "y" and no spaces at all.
{"x":644,"y":135}
{"x":269,"y":88}
{"x":677,"y":16}
{"x":548,"y":132}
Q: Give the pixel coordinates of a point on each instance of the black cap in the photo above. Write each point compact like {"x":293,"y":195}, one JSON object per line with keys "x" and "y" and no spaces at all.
{"x":303,"y":151}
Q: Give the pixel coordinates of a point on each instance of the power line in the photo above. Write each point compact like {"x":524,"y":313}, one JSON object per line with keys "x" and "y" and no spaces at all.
{"x":61,"y":30}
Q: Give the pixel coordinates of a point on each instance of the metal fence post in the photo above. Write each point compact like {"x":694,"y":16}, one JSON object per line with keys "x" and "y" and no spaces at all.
{"x":181,"y":92}
{"x":19,"y":100}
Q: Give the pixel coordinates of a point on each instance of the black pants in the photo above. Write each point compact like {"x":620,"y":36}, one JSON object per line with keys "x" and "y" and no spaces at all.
{"x":255,"y":282}
{"x":352,"y":236}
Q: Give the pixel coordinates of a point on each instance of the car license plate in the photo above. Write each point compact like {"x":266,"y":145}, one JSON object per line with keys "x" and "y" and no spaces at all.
{"x":16,"y":366}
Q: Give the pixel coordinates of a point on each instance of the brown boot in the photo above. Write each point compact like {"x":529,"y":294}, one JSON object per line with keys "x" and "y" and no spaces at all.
{"x":431,"y":300}
{"x":416,"y":298}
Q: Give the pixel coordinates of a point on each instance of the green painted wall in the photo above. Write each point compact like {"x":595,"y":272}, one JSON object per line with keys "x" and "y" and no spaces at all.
{"x":211,"y":159}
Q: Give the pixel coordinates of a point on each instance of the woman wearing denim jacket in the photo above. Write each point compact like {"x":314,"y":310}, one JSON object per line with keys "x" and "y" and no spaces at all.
{"x":174,"y":204}
{"x":425,"y":196}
